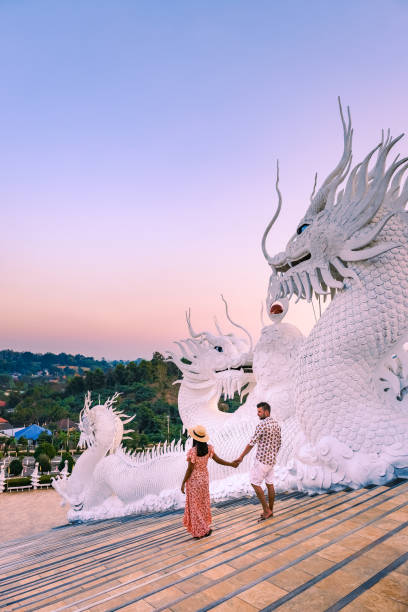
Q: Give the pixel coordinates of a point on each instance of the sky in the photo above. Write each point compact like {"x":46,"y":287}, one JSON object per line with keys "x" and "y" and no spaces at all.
{"x":138,"y":146}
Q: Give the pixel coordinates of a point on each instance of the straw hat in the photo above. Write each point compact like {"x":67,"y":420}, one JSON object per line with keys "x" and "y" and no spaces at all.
{"x":199,"y":433}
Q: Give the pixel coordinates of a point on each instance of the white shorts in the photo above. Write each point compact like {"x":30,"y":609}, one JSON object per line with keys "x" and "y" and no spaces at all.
{"x":261,"y":472}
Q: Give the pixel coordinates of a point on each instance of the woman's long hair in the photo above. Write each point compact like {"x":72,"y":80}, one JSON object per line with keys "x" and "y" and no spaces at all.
{"x":202,"y":448}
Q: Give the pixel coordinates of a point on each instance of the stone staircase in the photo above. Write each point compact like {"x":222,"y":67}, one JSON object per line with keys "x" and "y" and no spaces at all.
{"x":329,"y":552}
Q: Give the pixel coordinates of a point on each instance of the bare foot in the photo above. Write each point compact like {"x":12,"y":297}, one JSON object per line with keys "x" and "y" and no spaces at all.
{"x":264,"y":516}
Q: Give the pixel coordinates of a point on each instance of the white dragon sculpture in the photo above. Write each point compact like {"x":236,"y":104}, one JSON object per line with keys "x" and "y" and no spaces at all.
{"x":109,"y":481}
{"x":350,"y":378}
{"x":340,"y":394}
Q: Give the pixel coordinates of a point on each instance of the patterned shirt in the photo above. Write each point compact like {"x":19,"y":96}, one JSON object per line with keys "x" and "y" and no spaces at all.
{"x":268,"y":437}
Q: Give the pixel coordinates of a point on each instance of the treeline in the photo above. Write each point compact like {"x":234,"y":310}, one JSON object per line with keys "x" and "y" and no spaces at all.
{"x":30,"y":363}
{"x":146,"y":389}
{"x":156,"y":371}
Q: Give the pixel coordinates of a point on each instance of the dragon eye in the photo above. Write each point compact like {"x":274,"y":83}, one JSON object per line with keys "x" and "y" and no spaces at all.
{"x":302,"y":228}
{"x":218,"y":348}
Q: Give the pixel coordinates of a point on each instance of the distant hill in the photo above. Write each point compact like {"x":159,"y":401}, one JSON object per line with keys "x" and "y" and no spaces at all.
{"x":146,"y":390}
{"x":27,"y":363}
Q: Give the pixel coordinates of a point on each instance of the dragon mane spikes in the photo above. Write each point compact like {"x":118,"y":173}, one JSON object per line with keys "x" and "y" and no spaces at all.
{"x":112,"y":400}
{"x":364,"y":211}
{"x":400,"y":202}
{"x":319,"y":201}
{"x":394,"y":190}
{"x":331,"y":192}
{"x":314,"y":187}
{"x":87,"y":401}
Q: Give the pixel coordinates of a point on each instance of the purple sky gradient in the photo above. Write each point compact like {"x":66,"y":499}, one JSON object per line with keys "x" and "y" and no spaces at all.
{"x":138,"y":150}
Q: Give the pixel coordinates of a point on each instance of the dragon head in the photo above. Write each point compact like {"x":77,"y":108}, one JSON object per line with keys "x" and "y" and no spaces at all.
{"x":340,"y":227}
{"x":215,"y":363}
{"x":102,"y":423}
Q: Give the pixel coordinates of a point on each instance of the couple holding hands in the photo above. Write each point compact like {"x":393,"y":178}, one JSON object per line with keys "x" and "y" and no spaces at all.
{"x":197,"y":513}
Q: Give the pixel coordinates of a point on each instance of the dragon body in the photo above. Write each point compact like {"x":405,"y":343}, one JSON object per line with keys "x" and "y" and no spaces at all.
{"x":109,"y":481}
{"x":340,"y":395}
{"x":352,"y":244}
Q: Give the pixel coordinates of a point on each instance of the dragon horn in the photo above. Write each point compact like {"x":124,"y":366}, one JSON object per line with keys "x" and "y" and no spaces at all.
{"x":236,"y":324}
{"x":190,"y":329}
{"x":275,"y":216}
{"x":217,"y":327}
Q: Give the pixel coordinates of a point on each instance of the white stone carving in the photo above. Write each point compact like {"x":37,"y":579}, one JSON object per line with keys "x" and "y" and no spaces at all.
{"x":35,"y":476}
{"x":65,"y":470}
{"x":2,"y":478}
{"x":351,"y":245}
{"x":340,"y":394}
{"x":109,"y":481}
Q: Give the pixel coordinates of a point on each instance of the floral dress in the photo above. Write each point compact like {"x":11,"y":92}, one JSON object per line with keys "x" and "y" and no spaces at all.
{"x":197,"y":513}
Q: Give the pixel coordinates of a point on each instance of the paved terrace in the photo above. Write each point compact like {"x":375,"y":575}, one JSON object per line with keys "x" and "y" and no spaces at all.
{"x":345,"y":550}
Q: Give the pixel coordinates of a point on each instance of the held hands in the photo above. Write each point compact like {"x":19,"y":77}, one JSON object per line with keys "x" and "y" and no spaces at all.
{"x":236,"y":463}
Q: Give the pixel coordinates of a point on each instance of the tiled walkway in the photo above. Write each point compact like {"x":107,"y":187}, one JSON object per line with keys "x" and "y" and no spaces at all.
{"x":346,"y":550}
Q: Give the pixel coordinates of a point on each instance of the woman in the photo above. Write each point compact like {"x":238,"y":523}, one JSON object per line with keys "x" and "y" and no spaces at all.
{"x":197,"y":513}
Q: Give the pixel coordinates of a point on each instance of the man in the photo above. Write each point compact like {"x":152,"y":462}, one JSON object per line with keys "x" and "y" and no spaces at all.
{"x":268,"y":437}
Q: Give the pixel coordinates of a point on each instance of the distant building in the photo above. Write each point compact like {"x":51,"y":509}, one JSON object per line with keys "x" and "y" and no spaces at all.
{"x":67,"y":424}
{"x":3,"y":423}
{"x":32,"y":432}
{"x":11,"y":432}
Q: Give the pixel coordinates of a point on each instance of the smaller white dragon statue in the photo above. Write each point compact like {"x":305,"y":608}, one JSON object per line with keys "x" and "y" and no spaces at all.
{"x":108,"y":480}
{"x":212,"y":366}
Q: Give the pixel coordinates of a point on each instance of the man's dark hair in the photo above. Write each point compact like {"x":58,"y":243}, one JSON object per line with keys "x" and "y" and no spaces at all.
{"x":264,"y":406}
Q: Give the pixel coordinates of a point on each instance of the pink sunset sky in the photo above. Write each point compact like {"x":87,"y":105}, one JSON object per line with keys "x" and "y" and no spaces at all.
{"x":138,"y":150}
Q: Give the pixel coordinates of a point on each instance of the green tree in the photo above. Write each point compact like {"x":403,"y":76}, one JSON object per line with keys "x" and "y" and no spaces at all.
{"x":120,"y":374}
{"x":75,"y":385}
{"x":160,"y":375}
{"x":44,"y":463}
{"x":145,"y":419}
{"x":66,"y":457}
{"x":98,"y":379}
{"x":38,"y":405}
{"x":44,"y":437}
{"x":45,"y":449}
{"x":5,"y":381}
{"x":145,"y":372}
{"x":15,"y":467}
{"x":13,"y":399}
{"x":132,"y":372}
{"x":157,"y":358}
{"x":89,"y":381}
{"x":110,"y":379}
{"x":172,"y":370}
{"x":142,"y":393}
{"x":61,"y":439}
